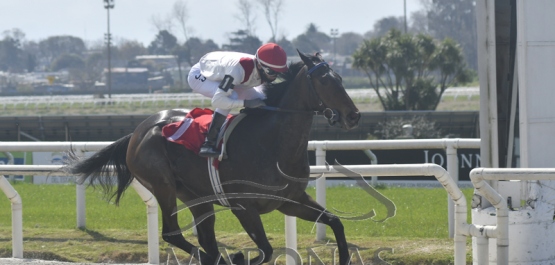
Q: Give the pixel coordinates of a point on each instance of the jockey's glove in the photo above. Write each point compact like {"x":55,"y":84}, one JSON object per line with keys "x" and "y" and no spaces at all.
{"x":254,"y":103}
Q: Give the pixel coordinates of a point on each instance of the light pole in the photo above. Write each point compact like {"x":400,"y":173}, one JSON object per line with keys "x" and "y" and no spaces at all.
{"x":334,"y":33}
{"x":405,"y":10}
{"x":109,"y":4}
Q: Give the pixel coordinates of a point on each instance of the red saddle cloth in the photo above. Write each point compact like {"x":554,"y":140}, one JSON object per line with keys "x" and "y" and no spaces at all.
{"x":191,"y":131}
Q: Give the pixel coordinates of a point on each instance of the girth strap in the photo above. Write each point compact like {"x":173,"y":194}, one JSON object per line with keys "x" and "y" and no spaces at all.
{"x":214,"y":175}
{"x":213,"y":171}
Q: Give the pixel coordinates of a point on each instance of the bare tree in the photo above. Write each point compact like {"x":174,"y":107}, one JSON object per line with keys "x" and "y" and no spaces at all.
{"x":272,"y":11}
{"x":246,"y":16}
{"x":180,"y":14}
{"x":160,"y":23}
{"x":15,"y":34}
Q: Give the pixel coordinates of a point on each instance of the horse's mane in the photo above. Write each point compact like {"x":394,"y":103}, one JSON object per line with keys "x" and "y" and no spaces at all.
{"x":274,"y":91}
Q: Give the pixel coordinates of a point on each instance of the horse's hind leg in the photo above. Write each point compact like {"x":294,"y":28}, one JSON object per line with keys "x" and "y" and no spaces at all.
{"x":171,"y":232}
{"x":205,"y":219}
{"x":309,"y":210}
{"x":251,"y":222}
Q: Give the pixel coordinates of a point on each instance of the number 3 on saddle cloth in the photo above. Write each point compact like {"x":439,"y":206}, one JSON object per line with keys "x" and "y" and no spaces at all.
{"x":192,"y":130}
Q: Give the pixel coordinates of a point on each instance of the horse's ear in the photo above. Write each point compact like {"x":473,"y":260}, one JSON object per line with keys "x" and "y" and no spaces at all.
{"x":319,"y":56}
{"x":305,"y":59}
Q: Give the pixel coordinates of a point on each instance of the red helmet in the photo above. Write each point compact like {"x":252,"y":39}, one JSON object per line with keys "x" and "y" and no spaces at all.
{"x":272,"y":56}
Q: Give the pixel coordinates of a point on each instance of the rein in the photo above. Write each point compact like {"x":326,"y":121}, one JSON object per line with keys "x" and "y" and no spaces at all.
{"x":330,"y":114}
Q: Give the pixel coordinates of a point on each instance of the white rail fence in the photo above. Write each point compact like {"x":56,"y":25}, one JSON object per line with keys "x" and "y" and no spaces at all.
{"x":462,"y":229}
{"x":17,"y":221}
{"x":291,"y":238}
{"x":320,"y":147}
{"x":450,"y":145}
{"x":500,"y":232}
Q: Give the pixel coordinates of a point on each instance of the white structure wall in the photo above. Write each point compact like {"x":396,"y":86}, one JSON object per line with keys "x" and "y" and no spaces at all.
{"x":531,"y":224}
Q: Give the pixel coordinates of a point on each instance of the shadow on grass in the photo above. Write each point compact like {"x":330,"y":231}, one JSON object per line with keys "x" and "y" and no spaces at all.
{"x":29,"y":254}
{"x":97,"y":236}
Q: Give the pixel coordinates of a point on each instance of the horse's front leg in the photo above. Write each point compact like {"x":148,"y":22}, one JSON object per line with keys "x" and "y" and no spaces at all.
{"x":250,"y":220}
{"x":309,"y":210}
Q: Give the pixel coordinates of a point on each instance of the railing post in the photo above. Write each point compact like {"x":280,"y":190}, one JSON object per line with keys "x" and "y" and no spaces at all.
{"x":152,"y":221}
{"x":290,"y":238}
{"x":80,"y":191}
{"x":453,"y":169}
{"x":17,"y":230}
{"x":373,"y":161}
{"x":321,"y":192}
{"x":17,"y":217}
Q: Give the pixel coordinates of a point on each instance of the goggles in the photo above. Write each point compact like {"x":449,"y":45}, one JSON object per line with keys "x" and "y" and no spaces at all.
{"x":268,"y":71}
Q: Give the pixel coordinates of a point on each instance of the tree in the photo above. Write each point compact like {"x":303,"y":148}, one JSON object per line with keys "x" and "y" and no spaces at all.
{"x":182,"y":54}
{"x":15,"y":34}
{"x":272,"y":13}
{"x":30,"y":62}
{"x":419,"y":22}
{"x":67,"y":61}
{"x":384,"y":25}
{"x":287,"y":46}
{"x":455,"y":19}
{"x":94,"y":69}
{"x":53,"y":47}
{"x":422,"y":128}
{"x":312,"y":40}
{"x":246,"y":16}
{"x":30,"y":51}
{"x":410,"y":72}
{"x":162,"y":23}
{"x":451,"y":64}
{"x":348,"y":42}
{"x":163,"y":44}
{"x":10,"y":55}
{"x":180,"y":14}
{"x":241,"y":41}
{"x":127,"y":50}
{"x":198,"y":48}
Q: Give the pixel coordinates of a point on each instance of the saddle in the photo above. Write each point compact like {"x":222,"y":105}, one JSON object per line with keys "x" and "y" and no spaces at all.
{"x":191,"y":131}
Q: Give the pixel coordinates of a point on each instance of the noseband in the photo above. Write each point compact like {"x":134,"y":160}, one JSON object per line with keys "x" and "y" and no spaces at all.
{"x":331,"y":115}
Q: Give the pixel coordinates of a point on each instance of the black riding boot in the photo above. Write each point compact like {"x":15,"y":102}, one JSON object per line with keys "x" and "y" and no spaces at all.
{"x":209,"y":147}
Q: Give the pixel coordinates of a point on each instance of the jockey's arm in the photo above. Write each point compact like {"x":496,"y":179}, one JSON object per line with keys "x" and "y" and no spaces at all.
{"x":222,"y":100}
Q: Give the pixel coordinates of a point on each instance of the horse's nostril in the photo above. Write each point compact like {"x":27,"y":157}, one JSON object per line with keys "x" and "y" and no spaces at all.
{"x":354,"y":116}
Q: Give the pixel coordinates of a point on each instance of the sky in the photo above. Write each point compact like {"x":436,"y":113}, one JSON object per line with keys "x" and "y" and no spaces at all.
{"x":209,"y":19}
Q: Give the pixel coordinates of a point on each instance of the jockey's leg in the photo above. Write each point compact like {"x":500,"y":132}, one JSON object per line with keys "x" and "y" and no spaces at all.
{"x":210,"y":146}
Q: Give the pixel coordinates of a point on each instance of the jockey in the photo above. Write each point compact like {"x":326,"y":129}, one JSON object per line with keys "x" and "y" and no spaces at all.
{"x":234,"y":80}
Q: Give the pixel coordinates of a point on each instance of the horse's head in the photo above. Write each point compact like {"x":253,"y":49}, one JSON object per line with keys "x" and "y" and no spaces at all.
{"x":327,"y":94}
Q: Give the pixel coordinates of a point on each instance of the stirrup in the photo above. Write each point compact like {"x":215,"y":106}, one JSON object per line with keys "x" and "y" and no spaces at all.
{"x":208,"y":151}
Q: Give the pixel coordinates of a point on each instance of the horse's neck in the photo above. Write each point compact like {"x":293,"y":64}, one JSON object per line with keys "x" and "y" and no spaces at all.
{"x":294,"y":128}
{"x":297,"y":95}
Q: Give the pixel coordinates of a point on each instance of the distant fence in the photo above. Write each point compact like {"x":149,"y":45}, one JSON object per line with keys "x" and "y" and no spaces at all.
{"x":164,"y":100}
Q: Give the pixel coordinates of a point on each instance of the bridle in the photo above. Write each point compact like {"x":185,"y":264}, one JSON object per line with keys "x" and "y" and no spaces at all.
{"x":331,"y":115}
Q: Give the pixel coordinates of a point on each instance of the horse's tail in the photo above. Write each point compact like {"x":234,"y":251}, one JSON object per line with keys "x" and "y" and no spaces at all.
{"x":97,"y":168}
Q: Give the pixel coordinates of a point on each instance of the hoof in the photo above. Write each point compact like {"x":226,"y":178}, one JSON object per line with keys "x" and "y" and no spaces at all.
{"x":238,"y":258}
